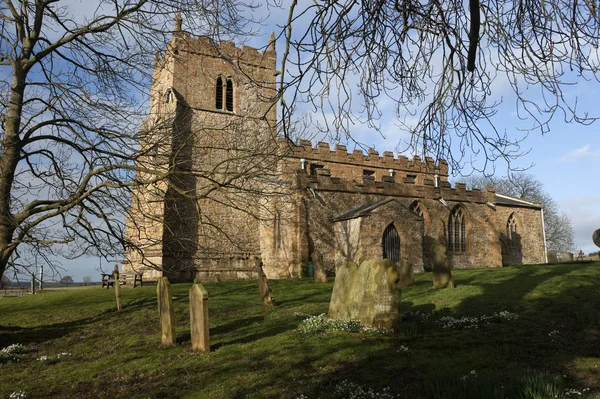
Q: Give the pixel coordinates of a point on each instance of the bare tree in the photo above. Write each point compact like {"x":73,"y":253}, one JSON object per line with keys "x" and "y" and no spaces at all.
{"x":87,"y":280}
{"x":73,"y":85}
{"x":558,"y":228}
{"x":437,"y":64}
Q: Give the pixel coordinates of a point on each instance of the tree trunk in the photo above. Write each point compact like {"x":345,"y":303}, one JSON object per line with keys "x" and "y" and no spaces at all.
{"x":11,"y":148}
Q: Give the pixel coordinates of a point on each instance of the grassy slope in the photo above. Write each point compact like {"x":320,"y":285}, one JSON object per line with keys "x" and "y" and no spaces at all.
{"x":256,"y":352}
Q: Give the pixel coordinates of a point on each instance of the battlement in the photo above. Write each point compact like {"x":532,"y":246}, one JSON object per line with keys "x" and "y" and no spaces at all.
{"x":388,"y":185}
{"x":205,"y":46}
{"x":352,"y":166}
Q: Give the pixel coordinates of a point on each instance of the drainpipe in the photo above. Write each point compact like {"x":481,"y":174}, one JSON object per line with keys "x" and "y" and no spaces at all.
{"x":544,"y":234}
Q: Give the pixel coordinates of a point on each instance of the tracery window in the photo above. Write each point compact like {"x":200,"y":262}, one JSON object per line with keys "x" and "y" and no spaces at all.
{"x":457,"y":231}
{"x":512,"y":232}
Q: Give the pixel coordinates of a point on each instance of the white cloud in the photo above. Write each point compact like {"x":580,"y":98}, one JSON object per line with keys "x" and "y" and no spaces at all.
{"x":580,"y":153}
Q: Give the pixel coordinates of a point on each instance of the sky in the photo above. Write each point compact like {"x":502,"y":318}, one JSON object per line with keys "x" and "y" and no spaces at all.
{"x":564,"y":159}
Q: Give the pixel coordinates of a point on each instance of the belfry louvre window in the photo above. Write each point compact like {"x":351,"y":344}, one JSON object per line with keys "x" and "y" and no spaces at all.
{"x":390,"y":244}
{"x":219,"y":94}
{"x":229,"y":96}
{"x":457,"y":231}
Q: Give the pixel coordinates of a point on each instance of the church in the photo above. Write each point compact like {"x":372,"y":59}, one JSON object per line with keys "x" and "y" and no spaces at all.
{"x":218,"y":187}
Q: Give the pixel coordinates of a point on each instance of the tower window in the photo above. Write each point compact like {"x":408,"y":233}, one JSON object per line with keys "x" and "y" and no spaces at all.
{"x":229,"y":96}
{"x":219,"y":94}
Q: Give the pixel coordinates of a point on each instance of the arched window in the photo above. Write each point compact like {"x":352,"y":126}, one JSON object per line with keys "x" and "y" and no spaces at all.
{"x":512,"y":232}
{"x":390,"y":244}
{"x":219,"y":94}
{"x":229,"y":96}
{"x":457,"y":231}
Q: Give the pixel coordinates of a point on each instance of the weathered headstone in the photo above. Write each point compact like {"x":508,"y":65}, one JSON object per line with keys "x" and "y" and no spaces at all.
{"x":263,"y":285}
{"x":407,"y":274}
{"x":368,"y":293}
{"x":341,"y":302}
{"x":117,"y":285}
{"x":199,"y":318}
{"x":442,"y":275}
{"x":165,"y":311}
{"x":320,"y":275}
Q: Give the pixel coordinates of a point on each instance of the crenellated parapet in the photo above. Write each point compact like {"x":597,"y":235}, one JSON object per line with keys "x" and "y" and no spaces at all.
{"x":353,"y":165}
{"x":205,"y":46}
{"x":390,"y":186}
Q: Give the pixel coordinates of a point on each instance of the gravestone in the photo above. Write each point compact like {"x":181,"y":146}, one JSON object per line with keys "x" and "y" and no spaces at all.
{"x":407,"y":274}
{"x":442,"y":275}
{"x":117,"y":285}
{"x":263,"y":285}
{"x":320,"y":275}
{"x":165,"y":311}
{"x":368,"y":293}
{"x":199,"y":318}
{"x":340,"y":303}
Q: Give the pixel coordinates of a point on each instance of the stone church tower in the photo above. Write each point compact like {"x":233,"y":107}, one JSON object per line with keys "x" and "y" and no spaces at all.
{"x":211,"y":129}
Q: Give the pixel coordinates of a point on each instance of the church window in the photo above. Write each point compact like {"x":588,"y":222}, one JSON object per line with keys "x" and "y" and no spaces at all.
{"x":457,"y":231}
{"x":229,"y":96}
{"x":219,"y":94}
{"x":391,"y":244}
{"x":512,"y":232}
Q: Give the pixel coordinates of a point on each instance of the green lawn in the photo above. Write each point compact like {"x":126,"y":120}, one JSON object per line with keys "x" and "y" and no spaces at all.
{"x":257,"y":352}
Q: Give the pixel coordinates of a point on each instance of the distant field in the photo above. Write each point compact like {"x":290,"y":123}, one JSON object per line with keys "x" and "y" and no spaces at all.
{"x":445,"y":349}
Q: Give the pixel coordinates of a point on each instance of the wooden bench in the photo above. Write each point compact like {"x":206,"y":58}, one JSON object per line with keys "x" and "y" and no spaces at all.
{"x":124,"y":279}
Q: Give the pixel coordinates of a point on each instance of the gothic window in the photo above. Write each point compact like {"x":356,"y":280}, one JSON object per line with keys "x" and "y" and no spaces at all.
{"x":391,"y":244}
{"x":457,"y":231}
{"x":512,"y":232}
{"x":219,"y":94}
{"x":229,"y":96}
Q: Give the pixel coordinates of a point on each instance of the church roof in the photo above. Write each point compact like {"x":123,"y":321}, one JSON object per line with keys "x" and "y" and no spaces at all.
{"x":502,"y":199}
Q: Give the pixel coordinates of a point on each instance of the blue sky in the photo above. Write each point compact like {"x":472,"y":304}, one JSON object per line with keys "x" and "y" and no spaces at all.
{"x":563,"y":159}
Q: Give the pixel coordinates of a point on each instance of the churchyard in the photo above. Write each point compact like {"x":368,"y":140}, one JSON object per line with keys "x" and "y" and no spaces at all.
{"x":514,"y":332}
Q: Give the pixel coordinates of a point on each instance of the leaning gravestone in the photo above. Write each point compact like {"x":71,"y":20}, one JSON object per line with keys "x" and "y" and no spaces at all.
{"x":165,"y":311}
{"x":368,"y":293}
{"x":442,"y":276}
{"x":407,"y":274}
{"x":263,"y":285}
{"x":320,"y":275}
{"x":199,"y":318}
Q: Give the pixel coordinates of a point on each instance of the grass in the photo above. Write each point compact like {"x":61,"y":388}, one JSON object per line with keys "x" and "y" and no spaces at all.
{"x":257,"y":352}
